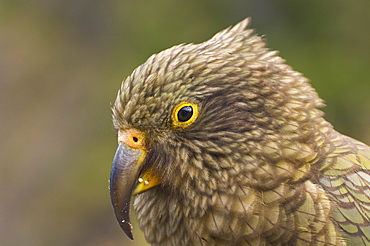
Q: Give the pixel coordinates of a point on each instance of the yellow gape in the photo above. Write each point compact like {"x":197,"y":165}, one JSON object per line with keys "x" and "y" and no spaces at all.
{"x":184,"y":114}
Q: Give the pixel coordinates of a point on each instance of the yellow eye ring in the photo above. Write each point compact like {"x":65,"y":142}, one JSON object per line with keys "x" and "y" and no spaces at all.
{"x":184,"y":114}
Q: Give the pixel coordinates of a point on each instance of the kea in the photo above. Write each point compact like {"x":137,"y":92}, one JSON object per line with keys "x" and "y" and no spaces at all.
{"x":222,"y":143}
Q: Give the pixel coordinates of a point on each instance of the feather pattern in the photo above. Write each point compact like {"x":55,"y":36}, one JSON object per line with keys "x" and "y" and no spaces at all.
{"x":347,"y":180}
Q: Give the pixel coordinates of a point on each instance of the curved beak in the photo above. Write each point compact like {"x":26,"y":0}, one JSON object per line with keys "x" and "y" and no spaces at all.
{"x":126,"y":166}
{"x":128,"y":177}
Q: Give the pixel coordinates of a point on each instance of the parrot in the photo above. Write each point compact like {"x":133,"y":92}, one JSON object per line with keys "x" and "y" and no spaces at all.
{"x":223,"y":143}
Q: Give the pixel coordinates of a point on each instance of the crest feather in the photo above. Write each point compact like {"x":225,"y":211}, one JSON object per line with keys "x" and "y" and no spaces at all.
{"x":233,"y":30}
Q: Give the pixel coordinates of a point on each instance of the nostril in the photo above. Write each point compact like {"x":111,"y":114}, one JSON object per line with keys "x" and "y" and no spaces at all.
{"x":133,"y":138}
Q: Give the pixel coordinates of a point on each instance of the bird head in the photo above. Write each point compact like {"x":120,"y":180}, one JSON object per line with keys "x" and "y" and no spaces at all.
{"x":200,"y":118}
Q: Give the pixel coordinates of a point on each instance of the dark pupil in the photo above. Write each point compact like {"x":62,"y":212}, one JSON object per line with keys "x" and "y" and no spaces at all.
{"x":185,"y":113}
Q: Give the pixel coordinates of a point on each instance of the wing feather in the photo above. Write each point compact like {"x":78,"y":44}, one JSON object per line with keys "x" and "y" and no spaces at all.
{"x":346,"y":178}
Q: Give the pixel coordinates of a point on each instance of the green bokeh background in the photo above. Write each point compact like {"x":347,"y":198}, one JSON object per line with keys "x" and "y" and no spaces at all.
{"x":62,"y":61}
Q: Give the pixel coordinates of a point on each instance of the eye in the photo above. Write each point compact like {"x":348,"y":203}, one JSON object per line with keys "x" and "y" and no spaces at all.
{"x":184,"y":114}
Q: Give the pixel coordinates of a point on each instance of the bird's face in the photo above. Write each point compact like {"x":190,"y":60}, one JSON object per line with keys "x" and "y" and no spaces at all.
{"x":177,"y":128}
{"x":194,"y":119}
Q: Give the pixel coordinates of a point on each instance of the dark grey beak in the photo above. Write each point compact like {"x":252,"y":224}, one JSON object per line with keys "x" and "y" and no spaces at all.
{"x":123,"y":178}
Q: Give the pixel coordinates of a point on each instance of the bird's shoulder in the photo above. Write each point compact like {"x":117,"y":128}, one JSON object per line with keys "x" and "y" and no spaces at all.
{"x":345,"y":176}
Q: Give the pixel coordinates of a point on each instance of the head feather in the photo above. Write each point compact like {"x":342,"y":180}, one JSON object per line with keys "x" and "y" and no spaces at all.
{"x":234,"y":57}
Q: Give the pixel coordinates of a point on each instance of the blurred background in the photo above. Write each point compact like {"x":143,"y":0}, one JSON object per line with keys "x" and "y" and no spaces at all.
{"x":62,"y":62}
